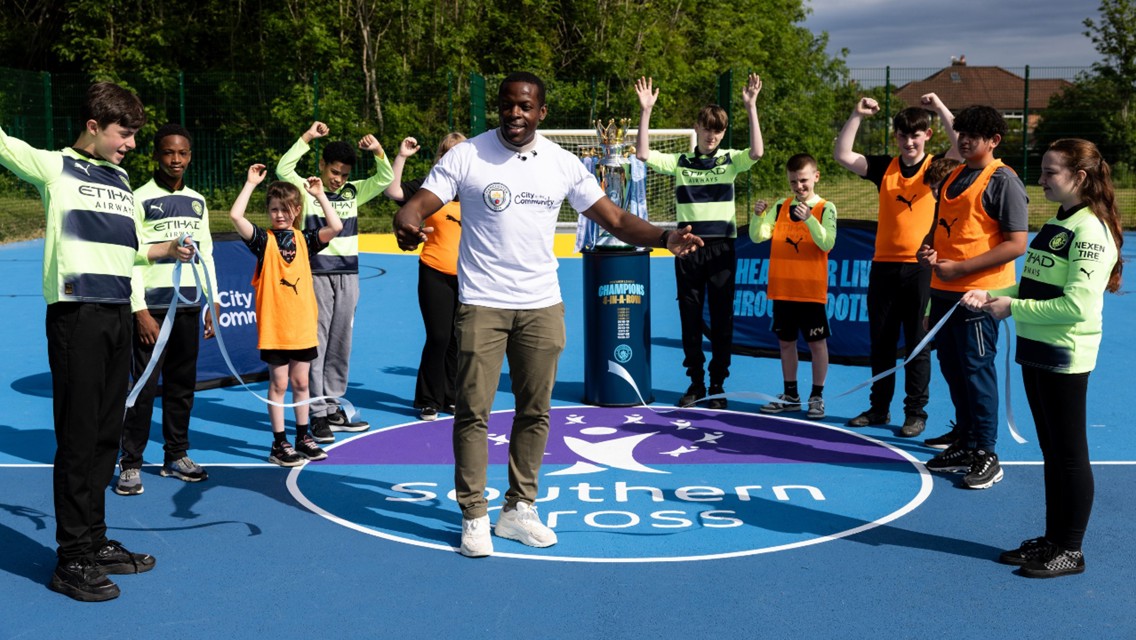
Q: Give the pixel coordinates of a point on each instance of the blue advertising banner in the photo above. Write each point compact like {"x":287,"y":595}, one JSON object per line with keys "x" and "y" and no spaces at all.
{"x":235,"y":264}
{"x":849,"y":264}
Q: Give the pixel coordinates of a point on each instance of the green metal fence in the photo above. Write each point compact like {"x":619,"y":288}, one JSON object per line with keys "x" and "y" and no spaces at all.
{"x":239,"y":118}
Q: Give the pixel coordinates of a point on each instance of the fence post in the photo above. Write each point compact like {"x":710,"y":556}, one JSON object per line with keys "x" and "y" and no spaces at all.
{"x":476,"y":103}
{"x":887,"y":106}
{"x":315,"y":95}
{"x":725,"y":91}
{"x":592,"y":112}
{"x":48,"y":112}
{"x":1025,"y":130}
{"x":450,"y":99}
{"x":181,"y":97}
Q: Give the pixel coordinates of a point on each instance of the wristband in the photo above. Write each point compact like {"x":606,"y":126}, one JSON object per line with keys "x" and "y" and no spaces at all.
{"x":663,"y":239}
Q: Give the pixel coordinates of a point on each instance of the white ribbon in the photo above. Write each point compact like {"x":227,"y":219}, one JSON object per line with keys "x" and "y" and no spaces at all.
{"x":618,"y":370}
{"x":167,"y":324}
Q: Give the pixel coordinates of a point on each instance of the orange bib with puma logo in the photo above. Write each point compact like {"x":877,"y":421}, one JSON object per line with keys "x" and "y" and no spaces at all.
{"x":286,"y":310}
{"x":965,"y":230}
{"x":798,"y":269}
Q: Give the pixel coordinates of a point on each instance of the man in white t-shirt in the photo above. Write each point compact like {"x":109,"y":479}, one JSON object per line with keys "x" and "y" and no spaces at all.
{"x":511,"y":182}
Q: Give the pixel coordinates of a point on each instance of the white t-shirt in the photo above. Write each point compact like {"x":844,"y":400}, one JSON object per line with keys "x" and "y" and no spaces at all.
{"x":509,"y":209}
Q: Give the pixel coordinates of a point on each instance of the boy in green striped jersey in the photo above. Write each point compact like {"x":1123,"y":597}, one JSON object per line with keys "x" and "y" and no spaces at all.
{"x":90,"y":248}
{"x":704,"y":189}
{"x":167,"y":209}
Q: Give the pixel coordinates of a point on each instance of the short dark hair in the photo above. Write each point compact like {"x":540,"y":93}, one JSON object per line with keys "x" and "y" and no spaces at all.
{"x":911,"y":120}
{"x":107,"y":103}
{"x":340,"y":151}
{"x":800,"y":162}
{"x":980,"y":120}
{"x":523,"y":77}
{"x":713,"y":117}
{"x":171,"y":129}
{"x":939,"y":169}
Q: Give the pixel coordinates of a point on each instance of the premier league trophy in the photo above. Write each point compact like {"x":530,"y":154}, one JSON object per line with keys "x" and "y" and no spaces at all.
{"x":622,"y":177}
{"x":617,"y":281}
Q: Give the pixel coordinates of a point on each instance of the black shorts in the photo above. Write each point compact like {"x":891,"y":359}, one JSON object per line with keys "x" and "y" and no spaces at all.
{"x":280,"y":357}
{"x":791,"y":319}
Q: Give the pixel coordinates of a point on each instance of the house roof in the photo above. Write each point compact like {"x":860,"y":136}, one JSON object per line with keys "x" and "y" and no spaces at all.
{"x":960,"y":86}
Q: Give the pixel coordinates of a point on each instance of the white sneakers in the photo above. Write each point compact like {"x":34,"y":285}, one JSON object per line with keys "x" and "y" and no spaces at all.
{"x":476,"y":542}
{"x":521,"y":523}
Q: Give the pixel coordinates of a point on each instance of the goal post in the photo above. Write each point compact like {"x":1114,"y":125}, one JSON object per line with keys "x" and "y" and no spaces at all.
{"x":660,"y":188}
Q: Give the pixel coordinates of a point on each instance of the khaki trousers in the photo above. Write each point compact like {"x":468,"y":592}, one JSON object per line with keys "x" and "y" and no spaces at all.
{"x":532,"y":340}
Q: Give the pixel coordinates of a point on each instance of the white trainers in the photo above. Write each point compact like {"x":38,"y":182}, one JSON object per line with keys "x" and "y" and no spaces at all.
{"x":816,"y":408}
{"x":523,"y":525}
{"x":476,"y":541}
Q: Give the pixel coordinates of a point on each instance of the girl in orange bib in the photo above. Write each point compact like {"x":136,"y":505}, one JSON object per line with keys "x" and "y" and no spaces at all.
{"x":286,"y":308}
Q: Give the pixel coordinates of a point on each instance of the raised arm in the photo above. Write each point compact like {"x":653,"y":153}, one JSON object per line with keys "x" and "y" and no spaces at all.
{"x":314,"y":187}
{"x":286,"y":168}
{"x":370,"y":188}
{"x":749,"y":98}
{"x":842,"y":152}
{"x":255,"y":176}
{"x":406,"y":148}
{"x":932,"y":101}
{"x":647,"y":98}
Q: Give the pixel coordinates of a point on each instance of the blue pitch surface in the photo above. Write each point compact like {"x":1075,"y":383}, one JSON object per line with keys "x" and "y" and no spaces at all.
{"x":244,"y":553}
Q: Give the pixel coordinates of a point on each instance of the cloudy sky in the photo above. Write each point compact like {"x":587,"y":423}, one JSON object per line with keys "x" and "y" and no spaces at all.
{"x":926,"y":33}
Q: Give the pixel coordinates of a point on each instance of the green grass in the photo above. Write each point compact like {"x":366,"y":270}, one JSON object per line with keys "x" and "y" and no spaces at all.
{"x":21,"y":216}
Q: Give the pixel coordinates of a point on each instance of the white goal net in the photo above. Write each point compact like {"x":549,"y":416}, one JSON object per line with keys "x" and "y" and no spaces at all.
{"x":660,"y":188}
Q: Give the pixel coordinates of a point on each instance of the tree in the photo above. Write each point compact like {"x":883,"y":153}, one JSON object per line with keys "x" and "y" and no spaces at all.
{"x":1100,"y":104}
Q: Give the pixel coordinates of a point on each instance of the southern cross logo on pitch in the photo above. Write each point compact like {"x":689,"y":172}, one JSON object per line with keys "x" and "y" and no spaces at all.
{"x":628,"y":485}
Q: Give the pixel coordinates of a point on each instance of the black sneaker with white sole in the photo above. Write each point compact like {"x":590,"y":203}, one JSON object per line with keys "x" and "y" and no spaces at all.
{"x":984,"y":470}
{"x":320,"y":430}
{"x":285,"y":455}
{"x":308,"y":448}
{"x":956,"y":459}
{"x":338,"y":421}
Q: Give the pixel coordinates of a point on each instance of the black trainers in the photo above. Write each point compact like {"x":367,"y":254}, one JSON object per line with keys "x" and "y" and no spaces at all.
{"x":695,"y":392}
{"x":870,"y":418}
{"x":1058,"y":562}
{"x":955,"y":459}
{"x":984,"y":471}
{"x":716,"y":403}
{"x":1032,"y":549}
{"x":321,"y":433}
{"x":338,"y":422}
{"x":82,"y":580}
{"x":308,"y":448}
{"x":284,"y":455}
{"x":912,"y":427}
{"x":112,"y":557}
{"x":428,"y":414}
{"x":945,"y":440}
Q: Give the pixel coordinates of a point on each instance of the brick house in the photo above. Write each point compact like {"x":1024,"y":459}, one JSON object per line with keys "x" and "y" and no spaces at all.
{"x":960,"y":86}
